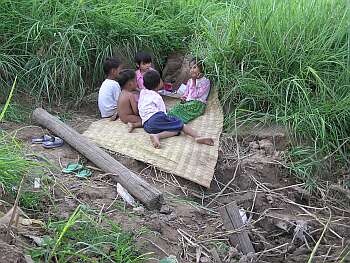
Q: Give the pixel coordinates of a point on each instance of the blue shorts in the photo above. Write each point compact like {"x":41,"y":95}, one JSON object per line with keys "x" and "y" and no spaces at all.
{"x":160,"y":122}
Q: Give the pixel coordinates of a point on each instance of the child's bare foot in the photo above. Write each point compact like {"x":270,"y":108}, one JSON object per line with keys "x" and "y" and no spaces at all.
{"x":205,"y":140}
{"x":131,"y":126}
{"x":155,"y":140}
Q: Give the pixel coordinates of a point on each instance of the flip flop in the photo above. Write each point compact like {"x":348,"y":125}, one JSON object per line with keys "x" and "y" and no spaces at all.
{"x":72,"y":167}
{"x":42,"y":139}
{"x":58,"y":142}
{"x":84,"y":173}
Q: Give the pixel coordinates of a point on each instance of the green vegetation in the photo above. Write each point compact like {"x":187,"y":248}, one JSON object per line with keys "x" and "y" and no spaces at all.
{"x":16,"y":112}
{"x":288,"y":62}
{"x":82,"y":238}
{"x":14,"y":166}
{"x":273,"y":61}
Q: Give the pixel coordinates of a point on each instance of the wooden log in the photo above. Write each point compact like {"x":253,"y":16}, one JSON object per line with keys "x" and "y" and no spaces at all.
{"x":233,"y":221}
{"x":140,"y":189}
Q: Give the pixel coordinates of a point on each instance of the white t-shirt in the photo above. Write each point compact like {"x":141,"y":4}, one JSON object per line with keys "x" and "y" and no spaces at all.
{"x":108,"y":97}
{"x":150,"y":102}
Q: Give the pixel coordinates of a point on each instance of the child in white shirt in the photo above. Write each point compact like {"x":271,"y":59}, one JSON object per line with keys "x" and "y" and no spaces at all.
{"x":110,"y":89}
{"x":153,"y":114}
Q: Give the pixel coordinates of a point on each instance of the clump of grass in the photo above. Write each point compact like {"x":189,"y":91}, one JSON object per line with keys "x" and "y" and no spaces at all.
{"x":13,"y":167}
{"x":13,"y":164}
{"x":17,"y":113}
{"x":82,"y":238}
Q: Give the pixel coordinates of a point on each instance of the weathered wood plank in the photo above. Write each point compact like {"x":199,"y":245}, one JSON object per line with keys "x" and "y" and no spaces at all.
{"x":233,"y":221}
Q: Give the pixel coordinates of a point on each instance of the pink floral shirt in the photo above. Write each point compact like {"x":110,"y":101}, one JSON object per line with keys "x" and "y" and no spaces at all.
{"x":139,"y":78}
{"x":197,"y":90}
{"x":150,"y":102}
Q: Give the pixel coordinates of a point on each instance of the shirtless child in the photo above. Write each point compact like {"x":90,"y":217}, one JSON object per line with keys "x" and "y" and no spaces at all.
{"x":127,"y":104}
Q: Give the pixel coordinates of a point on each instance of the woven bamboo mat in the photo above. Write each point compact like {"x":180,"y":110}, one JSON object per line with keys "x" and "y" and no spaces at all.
{"x":179,"y":155}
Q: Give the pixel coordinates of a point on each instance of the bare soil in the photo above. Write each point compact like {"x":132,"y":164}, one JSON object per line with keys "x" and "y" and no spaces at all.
{"x":284,"y":220}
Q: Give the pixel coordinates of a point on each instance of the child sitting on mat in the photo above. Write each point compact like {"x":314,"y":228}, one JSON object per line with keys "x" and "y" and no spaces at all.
{"x":110,"y":89}
{"x":143,"y":62}
{"x":153,"y":114}
{"x":127,"y":104}
{"x":194,"y":100}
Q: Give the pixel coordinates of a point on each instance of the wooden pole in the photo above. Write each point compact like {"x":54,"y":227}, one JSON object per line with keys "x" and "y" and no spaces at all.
{"x":151,"y":197}
{"x":233,"y":221}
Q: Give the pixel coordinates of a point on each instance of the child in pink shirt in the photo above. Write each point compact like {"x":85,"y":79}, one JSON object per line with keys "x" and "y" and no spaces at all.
{"x":194,"y":100}
{"x":143,"y":62}
{"x":153,"y":114}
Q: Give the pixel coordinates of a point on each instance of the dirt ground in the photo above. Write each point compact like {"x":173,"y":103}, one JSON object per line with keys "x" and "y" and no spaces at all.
{"x":284,"y":221}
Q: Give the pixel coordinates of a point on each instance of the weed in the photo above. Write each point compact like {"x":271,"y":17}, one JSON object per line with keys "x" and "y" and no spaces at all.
{"x":17,"y":113}
{"x":82,"y":239}
{"x":7,"y":103}
{"x":14,"y":166}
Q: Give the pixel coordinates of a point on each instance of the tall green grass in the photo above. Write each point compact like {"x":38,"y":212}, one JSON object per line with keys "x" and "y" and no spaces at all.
{"x":284,"y":61}
{"x":58,"y":47}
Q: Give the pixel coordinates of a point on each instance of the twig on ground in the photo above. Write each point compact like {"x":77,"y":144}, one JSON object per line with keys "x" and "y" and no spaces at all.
{"x":15,"y":214}
{"x":269,"y":250}
{"x":319,"y":240}
{"x":100,"y":214}
{"x":227,"y":185}
{"x":154,"y":244}
{"x":94,"y":168}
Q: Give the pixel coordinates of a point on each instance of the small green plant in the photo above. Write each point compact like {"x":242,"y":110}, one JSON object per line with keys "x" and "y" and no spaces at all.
{"x":82,"y":238}
{"x":17,"y":113}
{"x":7,"y":103}
{"x":14,"y":166}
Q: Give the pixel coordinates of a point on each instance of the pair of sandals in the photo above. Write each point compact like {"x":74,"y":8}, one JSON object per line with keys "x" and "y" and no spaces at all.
{"x":77,"y":169}
{"x":48,"y":141}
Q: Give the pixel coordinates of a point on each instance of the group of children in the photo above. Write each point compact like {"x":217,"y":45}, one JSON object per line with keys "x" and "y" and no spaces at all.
{"x":119,"y":97}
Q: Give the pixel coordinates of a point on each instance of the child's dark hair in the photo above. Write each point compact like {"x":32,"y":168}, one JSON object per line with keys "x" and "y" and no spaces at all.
{"x":111,"y":63}
{"x":125,"y":76}
{"x":151,"y":79}
{"x":142,"y":56}
{"x":199,"y":62}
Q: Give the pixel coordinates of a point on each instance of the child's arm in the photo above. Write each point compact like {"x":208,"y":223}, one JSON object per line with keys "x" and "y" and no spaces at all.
{"x":187,"y":90}
{"x":133,"y":103}
{"x":202,"y":89}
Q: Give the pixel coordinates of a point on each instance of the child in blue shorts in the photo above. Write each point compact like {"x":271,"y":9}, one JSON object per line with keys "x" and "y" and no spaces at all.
{"x":153,"y":114}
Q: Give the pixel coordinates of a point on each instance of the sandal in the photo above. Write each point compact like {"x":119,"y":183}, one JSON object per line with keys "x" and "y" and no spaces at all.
{"x":42,"y":139}
{"x":57,"y":142}
{"x":84,"y":173}
{"x":72,"y":167}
